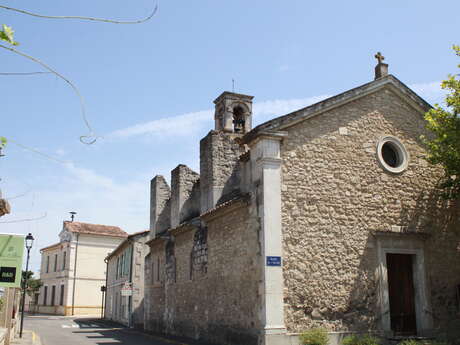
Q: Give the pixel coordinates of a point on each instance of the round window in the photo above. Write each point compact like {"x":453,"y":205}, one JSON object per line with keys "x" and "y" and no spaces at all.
{"x":392,"y":154}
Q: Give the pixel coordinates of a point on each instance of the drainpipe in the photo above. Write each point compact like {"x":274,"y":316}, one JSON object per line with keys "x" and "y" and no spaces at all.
{"x":75,"y":275}
{"x":130,"y":301}
{"x":106,"y":286}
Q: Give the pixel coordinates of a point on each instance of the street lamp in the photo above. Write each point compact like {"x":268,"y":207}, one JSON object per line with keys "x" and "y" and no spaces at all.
{"x":29,"y":242}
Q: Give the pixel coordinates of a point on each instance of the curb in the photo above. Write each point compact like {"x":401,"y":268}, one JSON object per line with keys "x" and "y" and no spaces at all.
{"x":154,"y":337}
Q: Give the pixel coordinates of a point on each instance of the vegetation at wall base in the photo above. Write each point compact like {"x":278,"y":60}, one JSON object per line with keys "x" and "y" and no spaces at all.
{"x":314,"y":336}
{"x":444,"y":145}
{"x":360,"y":340}
{"x":422,"y":342}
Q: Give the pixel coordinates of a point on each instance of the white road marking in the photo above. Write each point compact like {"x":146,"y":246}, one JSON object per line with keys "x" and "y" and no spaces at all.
{"x":70,"y":326}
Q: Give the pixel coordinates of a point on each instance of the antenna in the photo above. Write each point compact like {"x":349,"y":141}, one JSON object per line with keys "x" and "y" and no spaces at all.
{"x":72,"y":215}
{"x":233,"y":85}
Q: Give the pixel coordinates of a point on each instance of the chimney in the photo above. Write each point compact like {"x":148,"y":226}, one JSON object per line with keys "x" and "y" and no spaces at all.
{"x":160,"y":195}
{"x":381,"y":69}
{"x":185,"y":194}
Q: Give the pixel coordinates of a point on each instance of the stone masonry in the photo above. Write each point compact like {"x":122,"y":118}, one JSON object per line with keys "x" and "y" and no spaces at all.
{"x":314,"y":192}
{"x":335,"y":196}
{"x":220,"y":171}
{"x":160,"y":208}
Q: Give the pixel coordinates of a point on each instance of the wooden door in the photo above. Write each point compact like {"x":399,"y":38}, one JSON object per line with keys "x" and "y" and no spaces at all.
{"x":401,"y":294}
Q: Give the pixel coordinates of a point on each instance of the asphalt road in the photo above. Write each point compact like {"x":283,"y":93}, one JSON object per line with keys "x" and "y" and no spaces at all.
{"x":60,"y":330}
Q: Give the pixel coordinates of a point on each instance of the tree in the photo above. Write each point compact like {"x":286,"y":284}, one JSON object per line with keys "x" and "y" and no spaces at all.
{"x":33,"y":285}
{"x":444,"y":144}
{"x":6,"y":34}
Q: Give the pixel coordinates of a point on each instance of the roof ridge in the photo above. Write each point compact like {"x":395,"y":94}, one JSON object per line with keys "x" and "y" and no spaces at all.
{"x":95,"y":229}
{"x":296,"y":115}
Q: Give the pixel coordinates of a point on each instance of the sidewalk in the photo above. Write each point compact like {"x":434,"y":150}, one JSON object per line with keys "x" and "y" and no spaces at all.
{"x":155,"y":337}
{"x":28,"y":338}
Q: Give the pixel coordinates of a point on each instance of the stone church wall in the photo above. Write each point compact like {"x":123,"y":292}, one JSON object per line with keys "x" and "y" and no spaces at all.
{"x":219,"y":168}
{"x":185,"y":194}
{"x":154,"y":293}
{"x":160,"y":205}
{"x":213,"y":294}
{"x":335,"y":195}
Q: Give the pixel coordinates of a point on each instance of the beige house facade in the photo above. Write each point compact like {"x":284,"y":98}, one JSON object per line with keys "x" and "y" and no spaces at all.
{"x":325,"y":217}
{"x":73,"y":270}
{"x":124,"y":301}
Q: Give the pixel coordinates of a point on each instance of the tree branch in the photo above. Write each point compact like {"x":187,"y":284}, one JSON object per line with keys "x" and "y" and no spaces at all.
{"x":85,"y":139}
{"x":31,"y":149}
{"x":83,"y":18}
{"x":24,"y":220}
{"x":23,"y":73}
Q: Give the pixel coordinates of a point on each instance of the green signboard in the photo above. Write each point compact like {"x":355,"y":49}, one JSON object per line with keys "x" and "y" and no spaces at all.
{"x":11,"y":253}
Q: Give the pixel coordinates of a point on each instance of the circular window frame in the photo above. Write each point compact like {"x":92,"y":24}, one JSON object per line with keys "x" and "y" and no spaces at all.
{"x":400,"y":150}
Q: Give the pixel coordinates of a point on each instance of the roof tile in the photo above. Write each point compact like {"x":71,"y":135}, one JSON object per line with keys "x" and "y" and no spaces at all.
{"x":94,"y":229}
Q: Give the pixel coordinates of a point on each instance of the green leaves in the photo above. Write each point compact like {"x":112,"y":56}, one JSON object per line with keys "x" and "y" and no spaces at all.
{"x":33,"y":285}
{"x":365,"y":339}
{"x":314,"y":336}
{"x":444,"y":145}
{"x":6,"y":34}
{"x":3,"y":142}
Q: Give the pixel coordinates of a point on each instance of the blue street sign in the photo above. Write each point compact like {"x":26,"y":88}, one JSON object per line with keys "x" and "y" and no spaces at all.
{"x":273,"y":260}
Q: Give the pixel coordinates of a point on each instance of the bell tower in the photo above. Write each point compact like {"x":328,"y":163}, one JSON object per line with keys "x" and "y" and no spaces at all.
{"x":233,"y":113}
{"x":220,"y":152}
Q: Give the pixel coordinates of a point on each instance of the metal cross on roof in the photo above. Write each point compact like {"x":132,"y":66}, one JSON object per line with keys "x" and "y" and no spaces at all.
{"x":379,"y":57}
{"x":72,"y":215}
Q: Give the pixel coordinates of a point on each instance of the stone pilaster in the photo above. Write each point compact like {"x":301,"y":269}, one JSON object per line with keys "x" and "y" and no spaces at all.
{"x":266,"y":165}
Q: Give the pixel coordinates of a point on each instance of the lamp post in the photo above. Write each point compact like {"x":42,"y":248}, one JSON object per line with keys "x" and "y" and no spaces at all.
{"x":29,"y":242}
{"x":103,"y":290}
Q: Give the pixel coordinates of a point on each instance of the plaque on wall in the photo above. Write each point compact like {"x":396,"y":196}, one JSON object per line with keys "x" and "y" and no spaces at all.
{"x":273,"y":260}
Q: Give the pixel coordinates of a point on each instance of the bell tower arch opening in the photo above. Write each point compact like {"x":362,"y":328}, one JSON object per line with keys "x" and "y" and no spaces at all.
{"x":233,"y":113}
{"x":238,"y":120}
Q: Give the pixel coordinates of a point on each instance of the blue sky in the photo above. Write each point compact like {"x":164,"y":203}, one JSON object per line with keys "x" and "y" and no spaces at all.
{"x":149,"y":88}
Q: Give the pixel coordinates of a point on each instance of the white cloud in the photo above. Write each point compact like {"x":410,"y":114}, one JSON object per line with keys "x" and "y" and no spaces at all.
{"x":284,"y":68}
{"x":427,"y":88}
{"x":189,"y":123}
{"x":89,"y":177}
{"x":266,"y":110}
{"x":431,"y":92}
{"x":61,"y":152}
{"x":180,"y":124}
{"x":95,"y":197}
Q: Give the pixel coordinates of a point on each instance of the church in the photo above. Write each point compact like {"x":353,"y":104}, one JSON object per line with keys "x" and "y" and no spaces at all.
{"x":325,"y":217}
